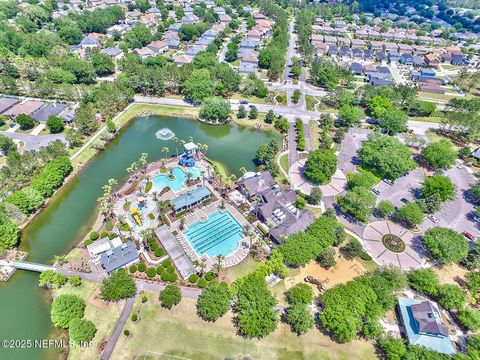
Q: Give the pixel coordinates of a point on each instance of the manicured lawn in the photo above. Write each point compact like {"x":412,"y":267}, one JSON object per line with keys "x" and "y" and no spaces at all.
{"x":102,"y":315}
{"x":181,"y":332}
{"x":284,"y":162}
{"x":258,"y":123}
{"x":314,"y":133}
{"x":311,"y":101}
{"x":250,"y":99}
{"x":432,"y":96}
{"x":241,"y":269}
{"x":434,"y":137}
{"x":4,"y":127}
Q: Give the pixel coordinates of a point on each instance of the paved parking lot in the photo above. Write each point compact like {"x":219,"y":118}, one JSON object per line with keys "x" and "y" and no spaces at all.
{"x":404,"y":187}
{"x":351,"y":144}
{"x":457,"y":214}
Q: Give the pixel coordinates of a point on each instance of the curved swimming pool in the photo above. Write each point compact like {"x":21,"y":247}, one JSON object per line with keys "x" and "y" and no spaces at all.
{"x":176,"y":183}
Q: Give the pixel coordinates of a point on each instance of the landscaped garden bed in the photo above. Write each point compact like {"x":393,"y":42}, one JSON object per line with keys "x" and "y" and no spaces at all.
{"x":393,"y":243}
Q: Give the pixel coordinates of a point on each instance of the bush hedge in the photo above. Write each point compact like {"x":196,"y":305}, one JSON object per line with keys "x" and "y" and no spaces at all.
{"x":134,"y":317}
{"x":133,"y":269}
{"x":142,"y":267}
{"x":148,"y":187}
{"x":104,"y":235}
{"x":52,"y":176}
{"x":151,"y":272}
{"x":193,"y":278}
{"x":94,"y":235}
{"x":160,"y":269}
{"x":202,"y":283}
{"x":166,"y":263}
{"x":159,"y":252}
{"x":209,"y":276}
{"x":171,"y":269}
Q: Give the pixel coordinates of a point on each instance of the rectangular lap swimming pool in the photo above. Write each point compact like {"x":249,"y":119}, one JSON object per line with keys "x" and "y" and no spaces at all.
{"x":218,"y":235}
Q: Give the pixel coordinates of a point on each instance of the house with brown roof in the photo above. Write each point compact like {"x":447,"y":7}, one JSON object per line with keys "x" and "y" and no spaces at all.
{"x":182,"y":59}
{"x":6,"y":103}
{"x":159,"y":46}
{"x":432,"y":60}
{"x":28,"y":107}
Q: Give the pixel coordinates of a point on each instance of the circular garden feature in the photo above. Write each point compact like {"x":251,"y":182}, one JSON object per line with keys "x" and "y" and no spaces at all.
{"x":393,"y":243}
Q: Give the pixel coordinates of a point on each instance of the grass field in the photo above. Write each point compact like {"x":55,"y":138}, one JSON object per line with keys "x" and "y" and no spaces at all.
{"x":431,"y":119}
{"x":102,"y":315}
{"x":181,"y":332}
{"x":284,"y":162}
{"x":314,"y":133}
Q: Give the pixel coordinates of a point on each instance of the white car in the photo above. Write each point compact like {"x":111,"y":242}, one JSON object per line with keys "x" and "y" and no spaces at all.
{"x":433,"y":218}
{"x":388,"y":181}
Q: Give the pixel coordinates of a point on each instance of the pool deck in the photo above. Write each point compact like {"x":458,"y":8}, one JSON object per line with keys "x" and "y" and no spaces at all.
{"x":200,"y":214}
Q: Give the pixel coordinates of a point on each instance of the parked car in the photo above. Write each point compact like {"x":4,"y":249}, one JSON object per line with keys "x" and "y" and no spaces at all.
{"x":404,"y":200}
{"x":468,"y":235}
{"x":375,"y":191}
{"x":388,"y":182}
{"x":433,"y":218}
{"x":244,"y":102}
{"x":476,"y":219}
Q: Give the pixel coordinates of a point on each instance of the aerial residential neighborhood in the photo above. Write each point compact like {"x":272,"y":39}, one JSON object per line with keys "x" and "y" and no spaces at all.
{"x":220,"y":179}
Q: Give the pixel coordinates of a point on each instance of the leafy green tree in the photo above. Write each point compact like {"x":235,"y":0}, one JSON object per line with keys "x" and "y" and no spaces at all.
{"x":315,"y":197}
{"x":472,"y":261}
{"x":358,"y":202}
{"x":451,"y":296}
{"x":27,"y":199}
{"x":215,"y":109}
{"x":440,"y":154}
{"x":26,"y":122}
{"x":410,"y":214}
{"x":75,"y":280}
{"x":469,"y":318}
{"x":52,"y":175}
{"x":9,"y":232}
{"x":51,"y":279}
{"x":327,"y":258}
{"x":214,"y":302}
{"x":424,"y":280}
{"x":299,"y":319}
{"x":300,"y":203}
{"x":81,"y":331}
{"x":82,"y":69}
{"x":352,"y":249}
{"x":242,"y":113}
{"x":65,"y":308}
{"x":72,"y":35}
{"x":55,"y":125}
{"x":394,"y":121}
{"x":296,"y":96}
{"x":111,"y":127}
{"x":255,"y":312}
{"x":440,"y":186}
{"x":378,"y":106}
{"x":350,"y":115}
{"x":7,"y":145}
{"x":170,"y":296}
{"x":85,"y":119}
{"x":376,"y":155}
{"x":445,"y":244}
{"x":320,"y":166}
{"x":199,"y":86}
{"x":270,"y":117}
{"x":253,"y":113}
{"x":363,"y":178}
{"x":385,"y":208}
{"x":300,"y":294}
{"x":393,"y":348}
{"x":103,"y":64}
{"x":119,"y":285}
{"x":473,"y":283}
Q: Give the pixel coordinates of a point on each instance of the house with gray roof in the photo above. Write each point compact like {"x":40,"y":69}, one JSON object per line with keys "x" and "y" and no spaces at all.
{"x":423,"y":325}
{"x":120,"y":256}
{"x":89,"y":42}
{"x":7,"y":103}
{"x":249,"y":44}
{"x":113,"y":52}
{"x":52,"y":109}
{"x":251,"y":186}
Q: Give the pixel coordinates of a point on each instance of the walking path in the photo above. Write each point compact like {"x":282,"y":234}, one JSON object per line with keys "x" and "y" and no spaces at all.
{"x":308,"y":139}
{"x":112,"y":341}
{"x":292,"y":145}
{"x":38,"y":129}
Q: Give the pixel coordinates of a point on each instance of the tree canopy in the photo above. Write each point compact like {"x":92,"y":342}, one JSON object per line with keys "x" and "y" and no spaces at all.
{"x":320,"y":166}
{"x":119,"y":285}
{"x":213,"y":302}
{"x":445,"y":244}
{"x":65,"y":308}
{"x":440,"y":154}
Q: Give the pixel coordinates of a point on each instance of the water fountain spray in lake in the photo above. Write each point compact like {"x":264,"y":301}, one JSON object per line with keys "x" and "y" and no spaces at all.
{"x":164,"y":134}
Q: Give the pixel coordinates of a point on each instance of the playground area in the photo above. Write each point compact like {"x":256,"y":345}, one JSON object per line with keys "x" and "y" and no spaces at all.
{"x":345,"y":270}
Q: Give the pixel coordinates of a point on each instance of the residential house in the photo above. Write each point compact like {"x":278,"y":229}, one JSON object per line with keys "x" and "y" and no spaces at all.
{"x":144,"y":52}
{"x":330,"y":40}
{"x":114,"y":52}
{"x":224,"y":18}
{"x":423,"y":325}
{"x":171,"y":35}
{"x":247,"y":68}
{"x":406,"y":59}
{"x":53,"y":109}
{"x":182,"y":59}
{"x":432,"y":60}
{"x":356,"y":68}
{"x":159,"y":46}
{"x":28,"y":108}
{"x":249,"y":44}
{"x":173,"y":44}
{"x":7,"y":103}
{"x":358,"y":43}
{"x":89,"y":42}
{"x":431,"y":86}
{"x":254,"y":34}
{"x":418,"y":61}
{"x":175,"y":27}
{"x":405,"y":49}
{"x":254,"y":185}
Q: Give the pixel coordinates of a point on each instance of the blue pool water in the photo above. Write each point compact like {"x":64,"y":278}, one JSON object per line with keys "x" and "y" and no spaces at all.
{"x":176,"y":184}
{"x":219,"y":235}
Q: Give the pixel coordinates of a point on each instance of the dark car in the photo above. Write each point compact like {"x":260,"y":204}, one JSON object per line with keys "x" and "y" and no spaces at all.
{"x":468,"y":235}
{"x":244,"y":102}
{"x":404,"y":200}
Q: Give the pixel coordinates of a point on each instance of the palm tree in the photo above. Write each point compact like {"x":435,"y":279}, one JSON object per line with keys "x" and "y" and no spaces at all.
{"x":202,"y":172}
{"x":165,"y":150}
{"x":177,"y":141}
{"x":232,"y":178}
{"x":243,"y":170}
{"x":182,"y":223}
{"x":218,"y":265}
{"x":190,"y":139}
{"x":202,"y":266}
{"x":163,"y":205}
{"x":205,"y":149}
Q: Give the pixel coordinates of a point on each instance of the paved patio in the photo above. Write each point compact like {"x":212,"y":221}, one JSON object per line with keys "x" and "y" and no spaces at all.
{"x":299,"y":182}
{"x":414,"y":255}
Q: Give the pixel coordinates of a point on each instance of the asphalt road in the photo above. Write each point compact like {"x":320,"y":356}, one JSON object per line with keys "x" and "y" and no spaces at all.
{"x":34,"y":142}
